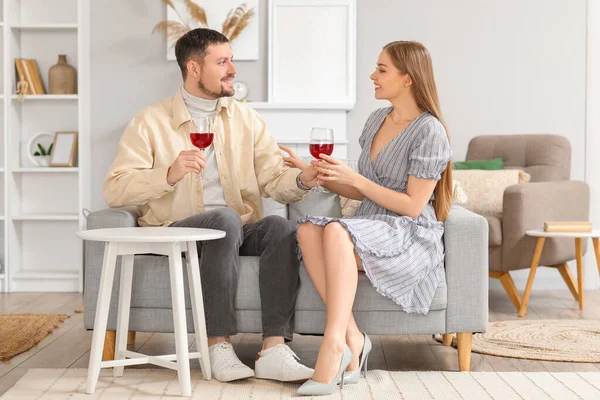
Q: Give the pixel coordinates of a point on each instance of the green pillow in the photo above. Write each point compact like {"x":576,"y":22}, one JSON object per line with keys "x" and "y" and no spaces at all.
{"x":493,"y":164}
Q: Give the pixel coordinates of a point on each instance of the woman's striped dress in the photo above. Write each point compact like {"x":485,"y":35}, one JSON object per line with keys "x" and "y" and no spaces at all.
{"x":402,"y":257}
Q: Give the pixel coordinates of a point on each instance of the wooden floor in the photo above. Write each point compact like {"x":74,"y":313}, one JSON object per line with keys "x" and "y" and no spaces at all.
{"x":69,"y":345}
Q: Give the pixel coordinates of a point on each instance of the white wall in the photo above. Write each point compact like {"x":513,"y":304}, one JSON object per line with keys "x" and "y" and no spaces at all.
{"x":510,"y":66}
{"x":501,"y":67}
{"x":592,"y":144}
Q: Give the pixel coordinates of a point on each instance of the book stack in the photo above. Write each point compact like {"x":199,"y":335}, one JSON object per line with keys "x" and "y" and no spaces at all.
{"x":28,"y":71}
{"x":567,"y":226}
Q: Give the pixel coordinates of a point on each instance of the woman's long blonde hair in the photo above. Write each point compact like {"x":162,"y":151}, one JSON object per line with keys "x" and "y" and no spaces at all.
{"x":412,"y":58}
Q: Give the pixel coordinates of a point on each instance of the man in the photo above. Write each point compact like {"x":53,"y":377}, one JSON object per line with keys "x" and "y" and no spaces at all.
{"x":156,"y":169}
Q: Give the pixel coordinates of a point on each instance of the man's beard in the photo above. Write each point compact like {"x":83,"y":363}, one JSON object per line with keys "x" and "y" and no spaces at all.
{"x":215,"y":95}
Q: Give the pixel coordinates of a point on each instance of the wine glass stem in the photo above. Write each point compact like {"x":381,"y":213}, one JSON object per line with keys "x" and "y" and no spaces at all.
{"x":318,"y":187}
{"x":201,"y":175}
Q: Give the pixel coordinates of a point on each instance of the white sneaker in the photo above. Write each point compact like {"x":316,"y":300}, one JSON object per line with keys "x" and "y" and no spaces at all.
{"x":280,"y":363}
{"x":225,"y":365}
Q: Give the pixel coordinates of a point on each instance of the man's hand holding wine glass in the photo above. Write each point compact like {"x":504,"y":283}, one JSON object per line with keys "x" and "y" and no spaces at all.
{"x":293,"y":160}
{"x":309,"y":174}
{"x":328,"y":168}
{"x":187,"y":161}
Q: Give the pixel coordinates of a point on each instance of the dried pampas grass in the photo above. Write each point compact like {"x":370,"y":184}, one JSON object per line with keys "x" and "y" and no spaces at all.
{"x":235,"y":23}
{"x":172,"y":29}
{"x":237,"y":20}
{"x":196,"y":12}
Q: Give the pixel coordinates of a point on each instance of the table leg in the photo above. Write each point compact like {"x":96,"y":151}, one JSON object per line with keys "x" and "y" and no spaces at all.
{"x":596,"y":242}
{"x":101,"y":319}
{"x":565,"y":272}
{"x":180,"y":326}
{"x":123,"y":315}
{"x":193,"y":269}
{"x":534,"y":264}
{"x":579,"y":255}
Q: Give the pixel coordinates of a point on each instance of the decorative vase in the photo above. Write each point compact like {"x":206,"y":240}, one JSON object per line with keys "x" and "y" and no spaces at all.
{"x":62,"y":78}
{"x":42,"y":161}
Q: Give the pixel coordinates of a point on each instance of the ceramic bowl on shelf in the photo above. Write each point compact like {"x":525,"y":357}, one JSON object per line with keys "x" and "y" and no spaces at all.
{"x":45,"y":139}
{"x":41,"y":161}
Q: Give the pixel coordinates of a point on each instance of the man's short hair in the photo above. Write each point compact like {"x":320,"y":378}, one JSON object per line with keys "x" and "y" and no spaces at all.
{"x":194,"y":44}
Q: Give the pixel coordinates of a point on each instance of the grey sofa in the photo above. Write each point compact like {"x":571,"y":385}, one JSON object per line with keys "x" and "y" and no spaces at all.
{"x":460,"y":304}
{"x":550,"y":196}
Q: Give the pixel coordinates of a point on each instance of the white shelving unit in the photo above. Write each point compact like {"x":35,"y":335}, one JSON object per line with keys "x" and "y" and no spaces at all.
{"x":47,"y":97}
{"x":40,"y":208}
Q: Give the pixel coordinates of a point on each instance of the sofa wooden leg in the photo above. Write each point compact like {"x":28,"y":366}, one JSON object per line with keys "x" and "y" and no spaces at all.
{"x":110,"y":340}
{"x":131,"y":338}
{"x":464,"y":350}
{"x":447,"y":339}
{"x":509,"y":287}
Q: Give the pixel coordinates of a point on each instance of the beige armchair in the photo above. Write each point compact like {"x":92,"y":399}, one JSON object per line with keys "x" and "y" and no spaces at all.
{"x":550,"y":196}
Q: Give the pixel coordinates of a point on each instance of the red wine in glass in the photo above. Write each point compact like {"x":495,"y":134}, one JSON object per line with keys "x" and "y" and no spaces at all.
{"x":321,"y":142}
{"x":202,"y":140}
{"x":316,"y":149}
{"x":201,"y":135}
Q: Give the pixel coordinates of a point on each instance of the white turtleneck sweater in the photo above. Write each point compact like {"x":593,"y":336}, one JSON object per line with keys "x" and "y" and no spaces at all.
{"x":212,"y":189}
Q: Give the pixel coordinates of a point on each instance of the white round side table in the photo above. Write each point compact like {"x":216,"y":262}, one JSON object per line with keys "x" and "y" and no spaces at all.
{"x":127,"y":242}
{"x":563,"y":269}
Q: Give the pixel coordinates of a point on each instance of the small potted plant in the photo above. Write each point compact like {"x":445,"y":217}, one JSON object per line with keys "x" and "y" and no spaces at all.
{"x":42,"y":156}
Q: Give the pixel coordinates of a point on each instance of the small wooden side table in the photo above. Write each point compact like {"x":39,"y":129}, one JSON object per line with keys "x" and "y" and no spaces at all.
{"x":578,"y":236}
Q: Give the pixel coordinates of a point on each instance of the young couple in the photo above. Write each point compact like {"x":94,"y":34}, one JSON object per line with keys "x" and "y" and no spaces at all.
{"x":395,"y":237}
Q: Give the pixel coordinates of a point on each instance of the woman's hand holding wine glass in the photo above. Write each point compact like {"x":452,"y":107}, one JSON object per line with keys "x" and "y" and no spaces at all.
{"x":333,"y":170}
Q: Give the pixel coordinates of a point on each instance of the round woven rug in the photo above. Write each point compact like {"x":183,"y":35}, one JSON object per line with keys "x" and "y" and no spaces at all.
{"x":549,"y":340}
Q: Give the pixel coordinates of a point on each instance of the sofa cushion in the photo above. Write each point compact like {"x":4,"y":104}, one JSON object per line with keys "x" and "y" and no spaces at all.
{"x":151,"y":288}
{"x":151,"y":282}
{"x":495,"y":225}
{"x":493,"y":164}
{"x":349,"y":206}
{"x":485,"y":189}
{"x":367,"y":298}
{"x":271,"y":207}
{"x":315,"y":203}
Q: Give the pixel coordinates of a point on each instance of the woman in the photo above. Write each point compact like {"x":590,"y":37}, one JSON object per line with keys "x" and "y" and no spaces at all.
{"x":405,"y":185}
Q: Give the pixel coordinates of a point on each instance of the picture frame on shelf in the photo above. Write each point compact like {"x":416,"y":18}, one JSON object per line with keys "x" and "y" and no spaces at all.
{"x":64,"y":150}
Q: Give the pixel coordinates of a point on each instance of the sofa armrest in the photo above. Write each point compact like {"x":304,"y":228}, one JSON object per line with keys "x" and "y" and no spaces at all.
{"x":113,"y":218}
{"x":528,"y":206}
{"x":94,"y":254}
{"x":466,"y":246}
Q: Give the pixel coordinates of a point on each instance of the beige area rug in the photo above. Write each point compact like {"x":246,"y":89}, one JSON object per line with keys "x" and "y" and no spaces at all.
{"x":549,"y":340}
{"x":44,"y":384}
{"x":20,"y":332}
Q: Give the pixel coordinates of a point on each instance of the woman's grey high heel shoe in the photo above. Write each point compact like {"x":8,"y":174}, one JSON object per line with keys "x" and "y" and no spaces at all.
{"x":351,"y":377}
{"x":312,"y":388}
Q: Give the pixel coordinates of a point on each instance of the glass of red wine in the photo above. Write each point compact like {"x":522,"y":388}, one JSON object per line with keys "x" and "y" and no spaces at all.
{"x":321,"y":142}
{"x":201,"y":135}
